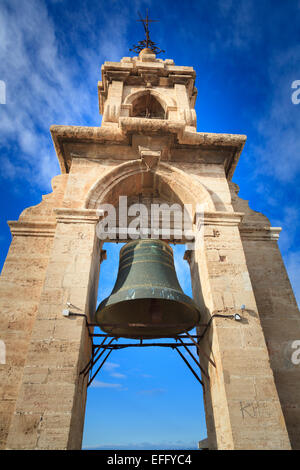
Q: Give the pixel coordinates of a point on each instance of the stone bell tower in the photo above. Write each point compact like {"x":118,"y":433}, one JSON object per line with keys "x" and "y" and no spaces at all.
{"x":147,"y":146}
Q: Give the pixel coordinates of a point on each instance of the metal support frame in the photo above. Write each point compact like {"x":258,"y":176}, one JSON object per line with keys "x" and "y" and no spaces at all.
{"x":179,"y":341}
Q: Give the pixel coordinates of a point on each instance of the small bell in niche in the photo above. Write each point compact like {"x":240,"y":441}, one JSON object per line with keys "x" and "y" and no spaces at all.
{"x":147,"y":300}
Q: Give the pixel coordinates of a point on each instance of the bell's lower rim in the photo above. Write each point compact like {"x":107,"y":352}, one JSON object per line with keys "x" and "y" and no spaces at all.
{"x":180,"y":317}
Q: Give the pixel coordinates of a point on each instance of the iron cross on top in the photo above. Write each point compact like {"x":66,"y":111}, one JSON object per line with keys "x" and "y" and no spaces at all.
{"x":146,"y":22}
{"x":146,"y":43}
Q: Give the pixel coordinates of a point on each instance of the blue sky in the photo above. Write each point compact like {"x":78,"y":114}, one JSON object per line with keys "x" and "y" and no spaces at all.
{"x":246,"y":56}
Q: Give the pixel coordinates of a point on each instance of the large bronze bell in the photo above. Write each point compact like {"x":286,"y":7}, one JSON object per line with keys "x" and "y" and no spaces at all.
{"x":147,"y":300}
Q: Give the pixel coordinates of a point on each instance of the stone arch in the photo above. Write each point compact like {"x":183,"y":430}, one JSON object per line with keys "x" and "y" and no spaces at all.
{"x":167,"y":178}
{"x":148,"y":106}
{"x":165,"y":101}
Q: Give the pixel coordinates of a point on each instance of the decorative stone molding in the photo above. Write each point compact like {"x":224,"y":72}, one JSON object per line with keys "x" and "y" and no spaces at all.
{"x":130,"y":125}
{"x":31,"y":229}
{"x":111,"y":113}
{"x":67,"y":137}
{"x":117,"y":75}
{"x":260,"y":233}
{"x":188,"y":188}
{"x":134,"y":71}
{"x":166,"y":101}
{"x":62,"y":134}
{"x":219,"y":218}
{"x":189,"y":116}
{"x":150,"y":158}
{"x":73,"y":216}
{"x":203,"y":139}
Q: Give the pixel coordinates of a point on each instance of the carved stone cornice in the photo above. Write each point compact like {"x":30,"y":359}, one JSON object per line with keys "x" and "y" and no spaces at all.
{"x":73,"y":216}
{"x":219,"y":218}
{"x":202,"y":139}
{"x":121,"y":133}
{"x":255,"y":233}
{"x":134,"y":67}
{"x":31,"y":229}
{"x":131,"y":125}
{"x":118,"y":75}
{"x":62,"y":135}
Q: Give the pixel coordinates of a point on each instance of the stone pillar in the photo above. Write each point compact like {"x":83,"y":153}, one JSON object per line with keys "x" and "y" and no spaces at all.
{"x":21,"y":284}
{"x":279,"y":316}
{"x":50,"y":408}
{"x":241,"y":400}
{"x":113,"y":104}
{"x":185,"y":112}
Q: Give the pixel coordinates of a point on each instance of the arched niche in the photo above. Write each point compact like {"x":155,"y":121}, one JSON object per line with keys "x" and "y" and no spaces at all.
{"x":140,"y":101}
{"x":147,"y":106}
{"x":136,"y":181}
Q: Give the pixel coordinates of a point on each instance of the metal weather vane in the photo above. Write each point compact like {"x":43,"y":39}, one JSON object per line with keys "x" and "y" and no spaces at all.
{"x":146,"y":43}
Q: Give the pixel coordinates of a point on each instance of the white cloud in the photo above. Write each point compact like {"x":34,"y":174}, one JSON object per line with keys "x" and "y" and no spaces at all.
{"x":99,"y":384}
{"x":240,"y":27}
{"x":118,"y":375}
{"x":45,"y":84}
{"x":109,"y":366}
{"x":278,"y":154}
{"x":279,"y":126}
